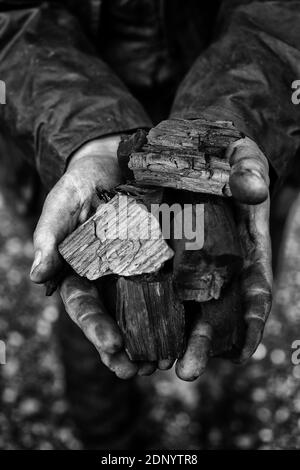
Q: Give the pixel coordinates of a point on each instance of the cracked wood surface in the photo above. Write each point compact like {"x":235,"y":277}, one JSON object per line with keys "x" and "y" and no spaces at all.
{"x":185,"y":154}
{"x":201,"y":274}
{"x":150,"y":317}
{"x":177,"y":154}
{"x":122,"y":238}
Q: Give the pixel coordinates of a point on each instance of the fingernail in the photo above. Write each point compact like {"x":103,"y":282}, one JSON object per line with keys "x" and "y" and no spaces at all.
{"x":36,"y":262}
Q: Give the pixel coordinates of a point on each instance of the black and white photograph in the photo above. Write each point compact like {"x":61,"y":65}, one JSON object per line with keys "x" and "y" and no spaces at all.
{"x":149,"y":228}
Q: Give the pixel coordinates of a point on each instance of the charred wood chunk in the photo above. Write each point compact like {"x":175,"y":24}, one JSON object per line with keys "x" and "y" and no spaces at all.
{"x":204,"y":265}
{"x":226,"y":319}
{"x":150,"y":317}
{"x":189,"y":157}
{"x":122,"y":237}
{"x":225,"y":315}
{"x":186,"y":154}
{"x":128,"y":145}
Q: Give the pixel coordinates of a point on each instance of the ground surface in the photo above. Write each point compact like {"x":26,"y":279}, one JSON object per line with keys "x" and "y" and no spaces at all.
{"x":253,"y":406}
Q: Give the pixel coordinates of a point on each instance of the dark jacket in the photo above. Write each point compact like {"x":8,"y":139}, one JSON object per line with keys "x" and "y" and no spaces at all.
{"x":74,"y":70}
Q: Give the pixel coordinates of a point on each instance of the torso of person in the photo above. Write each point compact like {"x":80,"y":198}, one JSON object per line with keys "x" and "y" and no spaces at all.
{"x":150,"y":44}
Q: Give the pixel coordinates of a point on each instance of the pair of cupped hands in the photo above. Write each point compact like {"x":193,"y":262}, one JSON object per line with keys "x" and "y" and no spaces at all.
{"x":94,"y":166}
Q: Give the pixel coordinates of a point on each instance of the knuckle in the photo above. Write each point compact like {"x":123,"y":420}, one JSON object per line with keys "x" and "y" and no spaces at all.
{"x":87,"y":316}
{"x":78,"y":290}
{"x":112,"y":346}
{"x":51,"y":201}
{"x":43,"y":235}
{"x":107,"y":333}
{"x":245,"y":155}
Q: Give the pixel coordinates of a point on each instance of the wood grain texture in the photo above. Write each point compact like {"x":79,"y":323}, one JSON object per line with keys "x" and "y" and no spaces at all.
{"x":206,"y":279}
{"x":201,"y":274}
{"x":122,"y":237}
{"x":150,"y":317}
{"x":189,"y":157}
{"x":225,"y":315}
{"x":184,"y":154}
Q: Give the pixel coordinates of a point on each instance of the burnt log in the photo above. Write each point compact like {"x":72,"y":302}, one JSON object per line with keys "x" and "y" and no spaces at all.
{"x":202,"y":271}
{"x":122,"y":238}
{"x":185,"y":154}
{"x":147,"y":310}
{"x":189,"y":156}
{"x":150,"y":317}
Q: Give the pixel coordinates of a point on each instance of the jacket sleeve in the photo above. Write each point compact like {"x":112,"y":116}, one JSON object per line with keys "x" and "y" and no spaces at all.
{"x":59,"y":94}
{"x":246,"y":76}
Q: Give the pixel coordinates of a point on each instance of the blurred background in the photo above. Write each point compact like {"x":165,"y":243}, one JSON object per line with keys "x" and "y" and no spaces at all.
{"x":254,"y":406}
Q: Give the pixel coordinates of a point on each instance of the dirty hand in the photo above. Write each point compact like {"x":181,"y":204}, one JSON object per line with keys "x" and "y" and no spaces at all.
{"x":94,"y":166}
{"x":249,"y":183}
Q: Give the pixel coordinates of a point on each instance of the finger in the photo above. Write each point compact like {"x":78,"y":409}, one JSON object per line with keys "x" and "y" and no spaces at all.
{"x":249,"y":176}
{"x":120,"y":364}
{"x":59,"y":217}
{"x":165,"y":364}
{"x":82,"y":303}
{"x":257,"y":278}
{"x":258,"y":301}
{"x":253,"y":337}
{"x":254,"y":233}
{"x":147,"y":368}
{"x":195,"y":359}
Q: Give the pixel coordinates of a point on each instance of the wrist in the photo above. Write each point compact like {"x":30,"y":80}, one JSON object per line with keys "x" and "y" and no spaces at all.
{"x":107,"y":146}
